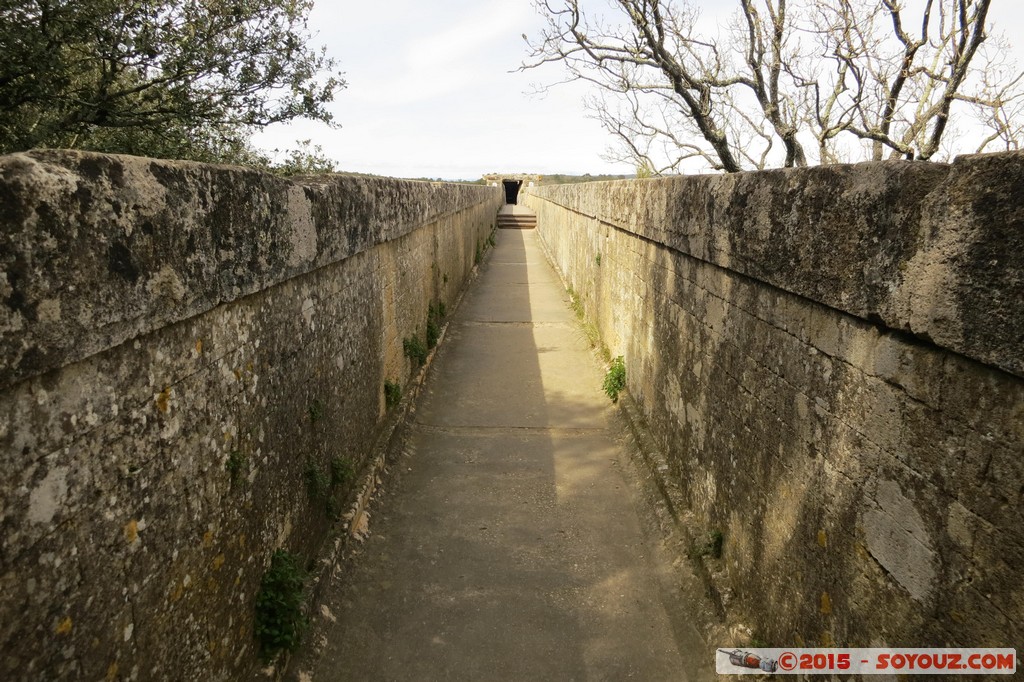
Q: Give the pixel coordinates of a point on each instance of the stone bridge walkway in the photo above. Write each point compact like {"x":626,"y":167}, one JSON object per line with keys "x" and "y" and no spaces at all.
{"x":508,"y":548}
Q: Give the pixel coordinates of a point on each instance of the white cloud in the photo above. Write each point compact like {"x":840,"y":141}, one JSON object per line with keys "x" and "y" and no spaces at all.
{"x":467,"y":39}
{"x":443,"y":59}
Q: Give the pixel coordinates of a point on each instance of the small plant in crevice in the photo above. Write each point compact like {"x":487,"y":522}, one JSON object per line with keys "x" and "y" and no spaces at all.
{"x":316,"y":411}
{"x":392,"y":394}
{"x":341,"y":471}
{"x":415,"y":350}
{"x":433,"y":331}
{"x":597,"y":259}
{"x":435,"y":315}
{"x":279,"y":622}
{"x":574,"y":302}
{"x":589,"y":328}
{"x":317,"y":483}
{"x":444,"y":278}
{"x":322,"y":486}
{"x":236,"y":465}
{"x":615,"y":379}
{"x":331,"y":509}
{"x":491,"y":241}
{"x":711,"y":547}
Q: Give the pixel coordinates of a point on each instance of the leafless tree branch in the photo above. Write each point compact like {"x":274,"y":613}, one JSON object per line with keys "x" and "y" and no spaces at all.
{"x":793,"y":82}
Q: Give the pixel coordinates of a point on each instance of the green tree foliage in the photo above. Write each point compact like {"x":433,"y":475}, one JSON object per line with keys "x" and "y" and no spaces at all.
{"x":306,"y":159}
{"x":173,"y":78}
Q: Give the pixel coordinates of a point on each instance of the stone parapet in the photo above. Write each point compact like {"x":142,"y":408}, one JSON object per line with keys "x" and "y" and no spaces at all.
{"x":829,"y":362}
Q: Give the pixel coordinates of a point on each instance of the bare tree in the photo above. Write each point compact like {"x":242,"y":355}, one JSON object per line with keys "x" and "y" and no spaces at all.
{"x":788,"y":82}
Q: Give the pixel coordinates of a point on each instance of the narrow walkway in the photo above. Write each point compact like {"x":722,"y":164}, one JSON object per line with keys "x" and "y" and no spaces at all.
{"x":510,"y":549}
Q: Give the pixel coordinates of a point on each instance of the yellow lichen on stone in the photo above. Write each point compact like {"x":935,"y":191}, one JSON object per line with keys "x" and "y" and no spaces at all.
{"x":827,"y":640}
{"x":826,"y":604}
{"x":208,"y":539}
{"x":112,"y":672}
{"x":218,"y":561}
{"x":178,"y":593}
{"x":131,"y":531}
{"x":822,"y":538}
{"x":199,"y":346}
{"x":163,"y":399}
{"x":64,"y":627}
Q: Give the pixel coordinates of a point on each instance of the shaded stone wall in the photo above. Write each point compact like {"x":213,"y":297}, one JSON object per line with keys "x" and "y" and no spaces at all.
{"x":183,"y":347}
{"x":831,"y":362}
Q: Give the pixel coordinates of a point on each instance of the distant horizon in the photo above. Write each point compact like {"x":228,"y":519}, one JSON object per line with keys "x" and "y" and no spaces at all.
{"x":593,"y":177}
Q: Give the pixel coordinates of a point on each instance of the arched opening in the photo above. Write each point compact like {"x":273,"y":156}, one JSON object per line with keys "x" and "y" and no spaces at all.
{"x":512,"y":190}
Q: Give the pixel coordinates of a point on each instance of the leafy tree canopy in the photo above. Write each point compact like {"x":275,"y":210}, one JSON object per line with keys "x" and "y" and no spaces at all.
{"x":187,"y":79}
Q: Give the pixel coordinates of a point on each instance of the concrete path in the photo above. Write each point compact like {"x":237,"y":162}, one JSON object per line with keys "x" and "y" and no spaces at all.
{"x":510,"y":548}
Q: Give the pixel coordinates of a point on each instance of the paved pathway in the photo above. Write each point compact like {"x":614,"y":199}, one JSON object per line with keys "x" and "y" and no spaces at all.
{"x":510,"y":549}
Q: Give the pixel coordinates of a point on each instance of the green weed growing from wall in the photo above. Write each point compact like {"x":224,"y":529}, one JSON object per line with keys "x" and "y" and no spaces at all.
{"x":322,"y":486}
{"x":279,"y":622}
{"x":433,"y":331}
{"x":236,"y":465}
{"x":415,"y":350}
{"x":317,"y":483}
{"x":435,"y":315}
{"x":575,"y":302}
{"x":341,"y":471}
{"x":392,"y":393}
{"x":711,"y":547}
{"x":615,"y":379}
{"x":316,"y":411}
{"x":714,"y":544}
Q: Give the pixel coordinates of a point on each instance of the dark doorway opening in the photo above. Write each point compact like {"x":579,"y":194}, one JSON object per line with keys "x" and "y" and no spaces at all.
{"x":512,"y":190}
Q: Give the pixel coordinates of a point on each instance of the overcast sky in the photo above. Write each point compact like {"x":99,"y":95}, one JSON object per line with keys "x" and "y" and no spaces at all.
{"x":433,"y":91}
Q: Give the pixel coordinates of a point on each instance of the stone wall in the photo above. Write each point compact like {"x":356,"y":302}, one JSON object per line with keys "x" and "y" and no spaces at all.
{"x":830,"y":360}
{"x":184,"y":349}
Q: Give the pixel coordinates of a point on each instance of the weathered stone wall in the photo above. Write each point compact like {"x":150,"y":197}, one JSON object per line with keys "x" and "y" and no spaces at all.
{"x":181,"y":347}
{"x":831,"y":362}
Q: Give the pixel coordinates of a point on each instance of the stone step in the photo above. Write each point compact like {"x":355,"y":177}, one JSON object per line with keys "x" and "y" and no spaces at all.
{"x":517,"y":222}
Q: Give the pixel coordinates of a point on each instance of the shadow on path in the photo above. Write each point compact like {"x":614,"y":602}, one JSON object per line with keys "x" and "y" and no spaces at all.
{"x":510,"y":548}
